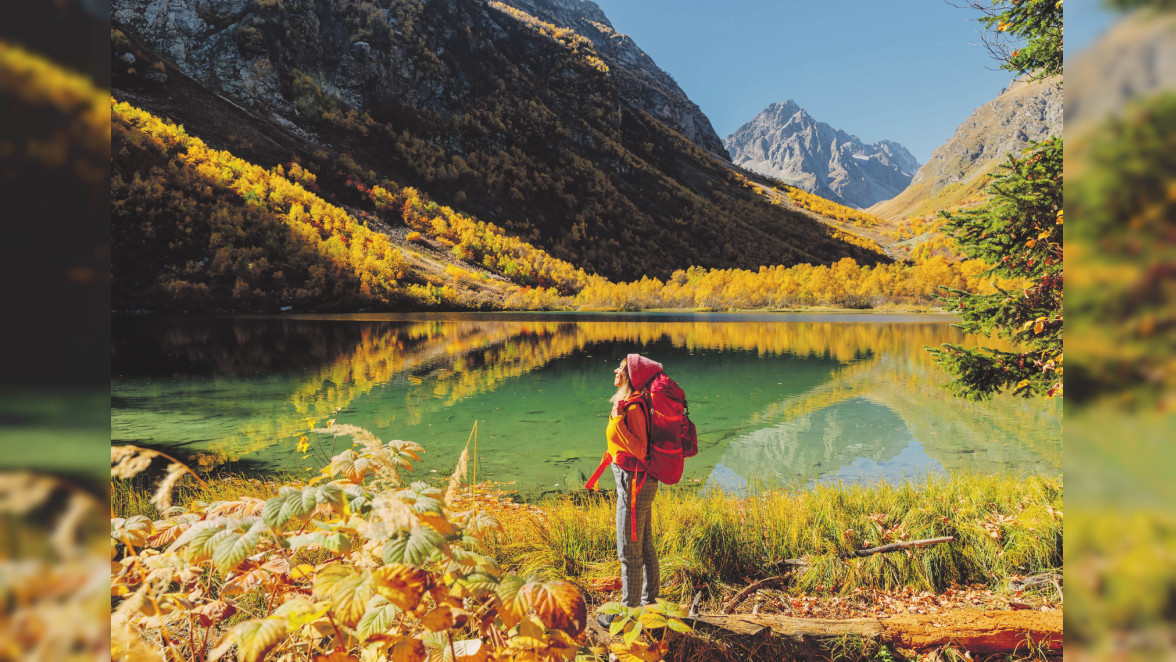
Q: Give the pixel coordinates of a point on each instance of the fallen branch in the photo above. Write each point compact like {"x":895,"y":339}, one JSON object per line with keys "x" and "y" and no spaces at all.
{"x":798,"y":564}
{"x":984,"y":632}
{"x":1041,"y":580}
{"x":752,"y":588}
{"x":896,"y":546}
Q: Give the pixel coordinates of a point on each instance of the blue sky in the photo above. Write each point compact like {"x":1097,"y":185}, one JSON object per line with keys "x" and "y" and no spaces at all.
{"x":905,"y":70}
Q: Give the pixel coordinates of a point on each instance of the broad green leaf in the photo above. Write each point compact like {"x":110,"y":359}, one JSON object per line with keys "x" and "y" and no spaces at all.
{"x":426,"y":504}
{"x":207,"y":527}
{"x":233,"y":549}
{"x":289,"y":503}
{"x":379,"y":617}
{"x":338,"y":543}
{"x":422,"y":488}
{"x":306,"y":539}
{"x":651,"y":619}
{"x":477,"y":584}
{"x":274,"y":513}
{"x":257,"y":637}
{"x":632,"y":634}
{"x":613,"y":608}
{"x":512,"y":610}
{"x":348,"y":591}
{"x":678,"y":625}
{"x":414,"y":547}
{"x":204,"y":545}
{"x":616,"y":626}
{"x":672,"y":608}
{"x":330,"y":494}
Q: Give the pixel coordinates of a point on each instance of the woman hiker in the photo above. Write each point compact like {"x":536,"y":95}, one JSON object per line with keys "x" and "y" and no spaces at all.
{"x":627,"y":437}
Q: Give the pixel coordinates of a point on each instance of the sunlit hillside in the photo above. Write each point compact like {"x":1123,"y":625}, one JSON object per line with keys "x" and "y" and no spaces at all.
{"x":242,"y":237}
{"x":510,"y":119}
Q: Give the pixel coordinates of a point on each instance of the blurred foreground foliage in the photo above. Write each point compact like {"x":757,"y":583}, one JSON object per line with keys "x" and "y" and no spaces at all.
{"x":1121,"y":259}
{"x":356,"y":565}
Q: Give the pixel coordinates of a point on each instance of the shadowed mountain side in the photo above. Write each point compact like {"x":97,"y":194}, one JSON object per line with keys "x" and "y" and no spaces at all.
{"x":637,"y":77}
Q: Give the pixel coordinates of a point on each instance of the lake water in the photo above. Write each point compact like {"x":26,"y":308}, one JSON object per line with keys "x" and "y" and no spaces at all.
{"x":777,"y":398}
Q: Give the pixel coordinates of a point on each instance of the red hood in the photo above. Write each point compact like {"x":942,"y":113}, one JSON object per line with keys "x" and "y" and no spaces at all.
{"x":641,"y":370}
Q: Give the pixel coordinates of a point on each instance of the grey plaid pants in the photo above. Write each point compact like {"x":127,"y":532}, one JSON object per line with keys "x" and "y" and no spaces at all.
{"x":638,"y":557}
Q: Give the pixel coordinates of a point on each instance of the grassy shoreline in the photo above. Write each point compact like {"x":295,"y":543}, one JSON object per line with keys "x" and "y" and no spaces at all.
{"x":1005,"y":527}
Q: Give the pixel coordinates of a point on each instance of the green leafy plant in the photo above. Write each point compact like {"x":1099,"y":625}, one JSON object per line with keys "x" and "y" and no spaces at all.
{"x":642,"y":630}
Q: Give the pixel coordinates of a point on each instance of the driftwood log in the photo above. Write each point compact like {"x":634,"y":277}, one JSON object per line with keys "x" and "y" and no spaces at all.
{"x":798,"y":564}
{"x":984,"y":632}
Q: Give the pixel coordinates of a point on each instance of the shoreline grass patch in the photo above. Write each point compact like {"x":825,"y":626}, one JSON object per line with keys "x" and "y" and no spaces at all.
{"x":1004,"y":527}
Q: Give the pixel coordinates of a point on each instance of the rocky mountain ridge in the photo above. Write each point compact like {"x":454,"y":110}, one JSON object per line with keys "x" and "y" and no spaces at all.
{"x":786,"y":143}
{"x":639,"y":78}
{"x":1023,"y":112}
{"x":202,"y":37}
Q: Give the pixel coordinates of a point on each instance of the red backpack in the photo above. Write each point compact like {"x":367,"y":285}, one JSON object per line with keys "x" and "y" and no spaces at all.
{"x":672,"y":436}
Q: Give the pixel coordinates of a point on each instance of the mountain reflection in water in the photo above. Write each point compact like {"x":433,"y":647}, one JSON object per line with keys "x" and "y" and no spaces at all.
{"x":776,"y":398}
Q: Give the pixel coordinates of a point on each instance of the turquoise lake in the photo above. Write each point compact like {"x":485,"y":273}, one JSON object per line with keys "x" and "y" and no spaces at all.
{"x":779,"y":399}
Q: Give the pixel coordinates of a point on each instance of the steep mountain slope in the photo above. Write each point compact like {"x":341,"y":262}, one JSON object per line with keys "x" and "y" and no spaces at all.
{"x":786,"y":143}
{"x":637,"y":78}
{"x":481,"y":105}
{"x":958,"y":169}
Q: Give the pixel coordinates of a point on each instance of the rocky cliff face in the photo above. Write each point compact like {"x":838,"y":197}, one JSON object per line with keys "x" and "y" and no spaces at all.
{"x":785,"y":142}
{"x":638,"y":78}
{"x":1025,"y":111}
{"x":218,"y":42}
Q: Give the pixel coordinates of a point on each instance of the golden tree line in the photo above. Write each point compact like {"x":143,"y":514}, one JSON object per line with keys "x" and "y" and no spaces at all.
{"x":339,"y":258}
{"x":273,"y":242}
{"x":831,"y":209}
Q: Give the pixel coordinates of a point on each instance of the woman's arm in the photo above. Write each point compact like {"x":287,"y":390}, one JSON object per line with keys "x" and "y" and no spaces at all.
{"x":634,"y":431}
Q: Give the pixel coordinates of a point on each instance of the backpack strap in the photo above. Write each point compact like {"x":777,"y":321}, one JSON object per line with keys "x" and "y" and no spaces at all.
{"x":636,"y":489}
{"x":646,"y":401}
{"x":604,"y":462}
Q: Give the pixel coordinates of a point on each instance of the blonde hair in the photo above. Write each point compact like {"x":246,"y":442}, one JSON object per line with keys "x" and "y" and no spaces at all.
{"x":623,"y":391}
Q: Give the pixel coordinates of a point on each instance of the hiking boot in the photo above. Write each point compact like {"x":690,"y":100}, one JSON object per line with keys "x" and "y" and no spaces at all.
{"x":605,"y":620}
